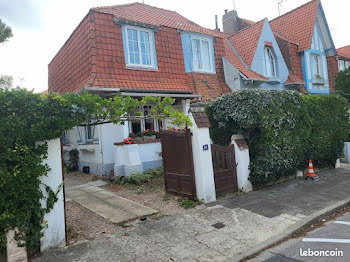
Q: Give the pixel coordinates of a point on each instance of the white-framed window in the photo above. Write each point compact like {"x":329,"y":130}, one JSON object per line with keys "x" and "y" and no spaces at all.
{"x":201,"y":54}
{"x":270,"y":62}
{"x":347,"y":64}
{"x":145,"y":122}
{"x":139,"y":47}
{"x":65,"y":137}
{"x":317,"y":66}
{"x":89,"y":133}
{"x":341,"y":65}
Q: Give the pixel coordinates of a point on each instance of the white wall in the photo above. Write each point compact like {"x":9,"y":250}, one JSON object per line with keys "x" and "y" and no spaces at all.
{"x":55,"y":233}
{"x":203,"y":165}
{"x":242,"y":161}
{"x":150,"y":152}
{"x":110,"y":134}
{"x":347,"y":152}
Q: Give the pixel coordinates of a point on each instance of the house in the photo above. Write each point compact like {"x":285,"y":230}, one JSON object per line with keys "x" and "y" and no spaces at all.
{"x":138,"y":50}
{"x":301,"y":37}
{"x":135,"y":50}
{"x":343,"y":57}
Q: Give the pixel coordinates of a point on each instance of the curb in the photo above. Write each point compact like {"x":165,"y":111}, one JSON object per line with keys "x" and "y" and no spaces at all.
{"x":295,"y":228}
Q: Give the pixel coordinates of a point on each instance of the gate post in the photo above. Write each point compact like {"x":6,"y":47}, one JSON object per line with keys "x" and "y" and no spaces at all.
{"x":242,"y":161}
{"x":202,"y":160}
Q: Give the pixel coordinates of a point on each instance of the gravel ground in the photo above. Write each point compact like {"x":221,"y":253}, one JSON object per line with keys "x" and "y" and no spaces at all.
{"x":78,"y":178}
{"x":151,"y":194}
{"x":84,"y":224}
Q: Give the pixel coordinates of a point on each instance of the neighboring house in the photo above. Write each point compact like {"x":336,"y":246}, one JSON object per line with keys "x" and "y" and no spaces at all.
{"x":304,"y":41}
{"x":343,"y":57}
{"x":136,"y":50}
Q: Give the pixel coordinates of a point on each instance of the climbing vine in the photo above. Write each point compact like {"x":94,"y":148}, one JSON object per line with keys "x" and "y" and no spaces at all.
{"x":27,"y":118}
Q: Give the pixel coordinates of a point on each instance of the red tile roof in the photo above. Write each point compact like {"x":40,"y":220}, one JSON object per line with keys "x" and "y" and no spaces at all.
{"x":150,"y":15}
{"x":344,"y":51}
{"x":234,"y":60}
{"x":246,"y":41}
{"x":298,"y":24}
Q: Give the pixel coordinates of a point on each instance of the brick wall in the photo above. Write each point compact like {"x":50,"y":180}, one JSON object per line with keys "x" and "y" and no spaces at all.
{"x":332,"y":64}
{"x":72,"y":67}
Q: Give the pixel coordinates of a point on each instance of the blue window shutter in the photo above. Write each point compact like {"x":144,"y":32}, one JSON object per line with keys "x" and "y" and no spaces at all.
{"x":153,"y":44}
{"x":187,"y":52}
{"x":212,"y":54}
{"x":125,"y":44}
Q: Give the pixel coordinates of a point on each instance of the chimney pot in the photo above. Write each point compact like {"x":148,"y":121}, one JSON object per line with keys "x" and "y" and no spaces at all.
{"x":225,"y":11}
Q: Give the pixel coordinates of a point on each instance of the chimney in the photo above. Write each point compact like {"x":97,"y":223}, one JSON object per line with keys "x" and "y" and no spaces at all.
{"x":217,"y":24}
{"x":230,"y":22}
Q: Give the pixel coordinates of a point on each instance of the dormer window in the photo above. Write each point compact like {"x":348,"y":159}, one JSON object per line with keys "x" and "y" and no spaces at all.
{"x":270,"y":62}
{"x":139,"y":47}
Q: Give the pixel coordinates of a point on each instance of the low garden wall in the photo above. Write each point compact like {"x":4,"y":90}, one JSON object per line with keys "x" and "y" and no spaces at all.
{"x":347,"y":152}
{"x":138,"y":157}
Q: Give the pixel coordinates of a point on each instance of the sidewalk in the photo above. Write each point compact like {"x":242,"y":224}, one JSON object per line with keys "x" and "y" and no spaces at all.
{"x":228,"y":230}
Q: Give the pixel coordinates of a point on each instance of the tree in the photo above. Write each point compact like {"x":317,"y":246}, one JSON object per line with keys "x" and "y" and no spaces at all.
{"x":342,"y":84}
{"x":6,"y":81}
{"x":5,"y":32}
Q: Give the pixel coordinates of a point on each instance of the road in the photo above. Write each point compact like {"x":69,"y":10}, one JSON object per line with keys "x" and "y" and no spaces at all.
{"x":331,"y":239}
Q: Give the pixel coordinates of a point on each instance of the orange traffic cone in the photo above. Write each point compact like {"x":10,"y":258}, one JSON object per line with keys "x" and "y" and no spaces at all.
{"x":310,"y":172}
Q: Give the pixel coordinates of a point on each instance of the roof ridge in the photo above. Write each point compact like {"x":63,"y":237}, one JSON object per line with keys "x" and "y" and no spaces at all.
{"x":343,"y":47}
{"x":299,"y":7}
{"x":135,"y":3}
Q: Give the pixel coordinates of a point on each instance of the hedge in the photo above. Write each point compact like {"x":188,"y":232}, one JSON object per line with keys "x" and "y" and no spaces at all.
{"x":283,"y":129}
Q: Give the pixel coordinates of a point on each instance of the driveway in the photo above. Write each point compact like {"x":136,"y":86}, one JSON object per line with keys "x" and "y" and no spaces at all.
{"x":222,"y":231}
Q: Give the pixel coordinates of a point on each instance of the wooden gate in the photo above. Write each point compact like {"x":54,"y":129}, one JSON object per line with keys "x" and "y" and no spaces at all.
{"x":178,"y":163}
{"x":224,"y":164}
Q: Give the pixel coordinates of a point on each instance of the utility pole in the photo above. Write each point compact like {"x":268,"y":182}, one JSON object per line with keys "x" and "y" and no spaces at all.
{"x":234,"y":5}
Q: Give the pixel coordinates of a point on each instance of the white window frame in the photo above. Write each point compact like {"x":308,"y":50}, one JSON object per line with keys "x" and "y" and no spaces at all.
{"x":142,"y":119}
{"x":202,"y":39}
{"x":341,"y":65}
{"x":91,"y":127}
{"x":318,"y":66}
{"x":268,"y":51}
{"x":151,"y":43}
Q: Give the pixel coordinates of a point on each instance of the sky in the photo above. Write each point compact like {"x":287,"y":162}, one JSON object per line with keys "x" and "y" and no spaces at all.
{"x":41,"y":27}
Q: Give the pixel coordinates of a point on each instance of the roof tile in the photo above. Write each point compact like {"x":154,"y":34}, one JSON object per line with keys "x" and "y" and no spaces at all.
{"x":344,"y":51}
{"x":298,"y":24}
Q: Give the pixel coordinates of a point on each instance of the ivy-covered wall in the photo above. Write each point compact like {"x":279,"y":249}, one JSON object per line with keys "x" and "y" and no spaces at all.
{"x":283,"y":129}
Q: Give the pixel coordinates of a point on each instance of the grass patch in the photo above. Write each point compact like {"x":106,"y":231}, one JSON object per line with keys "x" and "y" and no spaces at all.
{"x":186,"y":203}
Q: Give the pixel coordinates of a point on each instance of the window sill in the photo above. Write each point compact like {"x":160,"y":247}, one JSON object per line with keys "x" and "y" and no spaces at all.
{"x":320,"y":81}
{"x":204,"y":72}
{"x":142,"y":68}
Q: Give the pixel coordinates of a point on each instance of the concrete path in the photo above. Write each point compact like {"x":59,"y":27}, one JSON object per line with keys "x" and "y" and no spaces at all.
{"x":106,"y":204}
{"x":227,"y":230}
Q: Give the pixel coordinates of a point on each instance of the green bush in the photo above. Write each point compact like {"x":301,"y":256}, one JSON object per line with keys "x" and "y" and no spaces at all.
{"x":283,"y":129}
{"x":139,"y":178}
